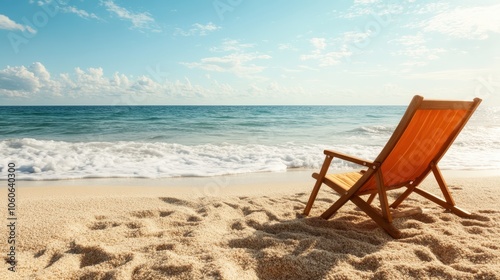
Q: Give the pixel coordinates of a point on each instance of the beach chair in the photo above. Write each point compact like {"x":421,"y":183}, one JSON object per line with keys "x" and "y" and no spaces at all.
{"x":424,"y":134}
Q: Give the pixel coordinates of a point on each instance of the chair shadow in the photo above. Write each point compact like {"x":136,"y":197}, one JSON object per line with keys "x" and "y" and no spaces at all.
{"x":311,"y":247}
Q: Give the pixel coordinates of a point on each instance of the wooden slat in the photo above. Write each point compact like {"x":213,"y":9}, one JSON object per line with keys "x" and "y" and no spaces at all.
{"x":344,"y":180}
{"x":340,"y":190}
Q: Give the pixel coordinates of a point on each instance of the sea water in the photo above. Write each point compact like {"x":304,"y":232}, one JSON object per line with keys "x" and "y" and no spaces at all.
{"x":69,"y":142}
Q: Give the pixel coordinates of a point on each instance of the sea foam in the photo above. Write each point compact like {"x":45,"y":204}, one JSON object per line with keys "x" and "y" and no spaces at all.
{"x":54,"y":160}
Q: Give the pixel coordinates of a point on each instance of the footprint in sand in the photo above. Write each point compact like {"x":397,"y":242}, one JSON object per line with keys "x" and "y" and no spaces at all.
{"x":55,"y":257}
{"x":469,"y":223}
{"x":165,"y":213}
{"x":159,"y":247}
{"x":165,"y":247}
{"x":160,"y":271}
{"x":237,"y":226}
{"x":134,"y":225}
{"x":194,"y":219}
{"x":91,"y":255}
{"x":145,"y":214}
{"x":234,"y":206}
{"x":101,"y":225}
{"x":176,"y":201}
{"x":424,"y":255}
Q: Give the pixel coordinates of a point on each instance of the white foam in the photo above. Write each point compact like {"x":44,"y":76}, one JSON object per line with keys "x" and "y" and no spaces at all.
{"x":52,"y":160}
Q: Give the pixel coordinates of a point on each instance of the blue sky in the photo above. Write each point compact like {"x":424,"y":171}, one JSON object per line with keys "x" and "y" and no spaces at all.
{"x":118,"y":52}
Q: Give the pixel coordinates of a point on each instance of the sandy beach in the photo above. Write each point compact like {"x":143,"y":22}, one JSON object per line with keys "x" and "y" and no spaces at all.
{"x":244,"y":227}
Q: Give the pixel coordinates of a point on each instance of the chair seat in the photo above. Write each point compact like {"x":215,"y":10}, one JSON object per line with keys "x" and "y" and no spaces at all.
{"x":344,"y":181}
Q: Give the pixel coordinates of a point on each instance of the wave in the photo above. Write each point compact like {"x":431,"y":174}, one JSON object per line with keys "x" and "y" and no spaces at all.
{"x":57,"y":160}
{"x":52,"y":160}
{"x":374,"y":129}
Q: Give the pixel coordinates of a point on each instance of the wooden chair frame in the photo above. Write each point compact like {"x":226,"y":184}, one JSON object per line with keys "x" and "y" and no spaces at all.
{"x":352,"y":192}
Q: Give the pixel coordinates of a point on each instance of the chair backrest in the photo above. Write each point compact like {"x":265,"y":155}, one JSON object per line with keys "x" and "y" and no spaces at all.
{"x":424,"y":134}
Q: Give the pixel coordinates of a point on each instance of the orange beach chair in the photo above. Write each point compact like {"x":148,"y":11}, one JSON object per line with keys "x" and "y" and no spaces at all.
{"x":424,"y":134}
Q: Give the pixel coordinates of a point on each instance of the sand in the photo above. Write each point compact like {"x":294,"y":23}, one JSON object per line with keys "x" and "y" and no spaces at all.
{"x":244,"y":227}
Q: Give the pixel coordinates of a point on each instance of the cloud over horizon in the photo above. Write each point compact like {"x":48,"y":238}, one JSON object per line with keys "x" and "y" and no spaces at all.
{"x":8,"y":24}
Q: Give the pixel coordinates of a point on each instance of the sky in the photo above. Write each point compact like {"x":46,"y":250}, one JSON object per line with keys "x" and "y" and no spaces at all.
{"x":248,"y":52}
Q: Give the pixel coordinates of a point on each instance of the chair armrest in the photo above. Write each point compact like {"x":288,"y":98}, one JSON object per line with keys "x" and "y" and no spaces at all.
{"x":348,"y":158}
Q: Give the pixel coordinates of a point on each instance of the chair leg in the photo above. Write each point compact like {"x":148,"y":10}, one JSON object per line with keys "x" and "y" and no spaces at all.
{"x":456,"y":210}
{"x":336,"y":206}
{"x":371,"y":198}
{"x":382,"y":195}
{"x":442,"y":184}
{"x":402,"y":197}
{"x":380,"y":220}
{"x":317,"y":186}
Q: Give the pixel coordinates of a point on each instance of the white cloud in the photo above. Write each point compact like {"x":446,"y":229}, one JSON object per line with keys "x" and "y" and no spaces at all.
{"x":238,"y":60}
{"x":366,"y":1}
{"x":138,"y":20}
{"x":236,"y":63}
{"x":207,"y":27}
{"x":274,"y":89}
{"x":409,"y":40}
{"x":329,"y":57}
{"x":40,"y":71}
{"x":229,"y":45}
{"x":376,"y":8}
{"x":283,"y":47}
{"x":318,"y":43}
{"x":145,"y":84}
{"x":79,"y":12}
{"x":63,"y":7}
{"x":466,"y":23}
{"x":36,"y":80}
{"x":18,"y":81}
{"x":8,"y":24}
{"x":197,"y":29}
{"x":354,"y":38}
{"x":430,"y":8}
{"x":415,"y":50}
{"x":24,"y":81}
{"x":451,"y":75}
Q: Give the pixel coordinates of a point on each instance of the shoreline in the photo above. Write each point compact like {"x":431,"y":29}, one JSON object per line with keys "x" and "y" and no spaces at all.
{"x":256,"y":183}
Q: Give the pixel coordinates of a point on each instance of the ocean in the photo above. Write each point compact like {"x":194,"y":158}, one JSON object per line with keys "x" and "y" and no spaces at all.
{"x":73,"y":142}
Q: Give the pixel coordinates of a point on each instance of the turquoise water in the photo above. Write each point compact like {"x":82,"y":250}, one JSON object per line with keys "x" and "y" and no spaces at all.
{"x":62,"y":142}
{"x":194,"y":124}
